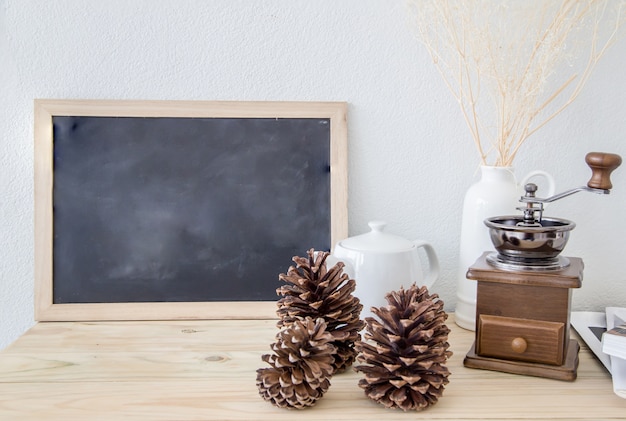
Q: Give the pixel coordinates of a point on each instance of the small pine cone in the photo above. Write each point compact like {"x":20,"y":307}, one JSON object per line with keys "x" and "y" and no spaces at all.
{"x":314,"y":291}
{"x":406,"y":351}
{"x":301,"y":365}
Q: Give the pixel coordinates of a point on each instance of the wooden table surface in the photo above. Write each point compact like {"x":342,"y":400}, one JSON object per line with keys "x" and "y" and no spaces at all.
{"x":206,"y":370}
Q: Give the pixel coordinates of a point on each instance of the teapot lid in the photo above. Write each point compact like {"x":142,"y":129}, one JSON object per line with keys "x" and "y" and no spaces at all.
{"x":377,"y":240}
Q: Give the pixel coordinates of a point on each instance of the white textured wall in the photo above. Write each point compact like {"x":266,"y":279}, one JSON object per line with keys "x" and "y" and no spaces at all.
{"x":411,"y":158}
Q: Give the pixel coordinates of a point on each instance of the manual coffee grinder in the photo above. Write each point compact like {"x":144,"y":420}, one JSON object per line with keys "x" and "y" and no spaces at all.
{"x":524,"y":288}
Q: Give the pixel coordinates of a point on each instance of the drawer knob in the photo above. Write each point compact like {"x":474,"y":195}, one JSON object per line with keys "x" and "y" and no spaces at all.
{"x":519,"y":345}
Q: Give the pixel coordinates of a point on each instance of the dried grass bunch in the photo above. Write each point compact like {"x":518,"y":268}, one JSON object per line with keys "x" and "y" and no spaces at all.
{"x":515,"y":65}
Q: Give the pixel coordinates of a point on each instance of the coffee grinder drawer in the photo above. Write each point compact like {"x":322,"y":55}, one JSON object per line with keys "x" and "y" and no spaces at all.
{"x":520,"y":339}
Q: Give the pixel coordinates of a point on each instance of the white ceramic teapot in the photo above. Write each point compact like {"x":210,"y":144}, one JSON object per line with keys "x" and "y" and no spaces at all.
{"x":381,"y":262}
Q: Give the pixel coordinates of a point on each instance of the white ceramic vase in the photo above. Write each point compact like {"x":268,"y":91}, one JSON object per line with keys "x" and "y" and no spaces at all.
{"x":496,"y":193}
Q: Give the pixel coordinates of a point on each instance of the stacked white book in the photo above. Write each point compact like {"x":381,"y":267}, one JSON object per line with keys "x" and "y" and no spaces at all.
{"x":614,"y":345}
{"x":605,"y":334}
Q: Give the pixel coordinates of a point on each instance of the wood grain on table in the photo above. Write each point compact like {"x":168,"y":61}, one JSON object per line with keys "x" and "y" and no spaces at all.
{"x":206,"y":370}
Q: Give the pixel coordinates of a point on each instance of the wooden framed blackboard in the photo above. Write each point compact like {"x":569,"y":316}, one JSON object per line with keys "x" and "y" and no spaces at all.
{"x":154,"y":210}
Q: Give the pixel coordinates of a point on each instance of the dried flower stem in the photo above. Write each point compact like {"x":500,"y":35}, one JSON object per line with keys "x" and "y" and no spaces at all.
{"x":513,"y":66}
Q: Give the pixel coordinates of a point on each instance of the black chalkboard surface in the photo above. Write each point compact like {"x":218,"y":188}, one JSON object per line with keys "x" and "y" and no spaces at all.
{"x":184,"y":209}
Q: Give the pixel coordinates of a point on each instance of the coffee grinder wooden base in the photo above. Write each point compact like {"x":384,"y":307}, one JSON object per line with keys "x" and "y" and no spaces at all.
{"x":522,"y":320}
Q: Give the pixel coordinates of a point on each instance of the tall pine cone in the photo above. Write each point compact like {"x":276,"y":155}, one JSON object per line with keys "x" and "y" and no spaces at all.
{"x":406,"y":351}
{"x":314,"y":291}
{"x":301,"y":365}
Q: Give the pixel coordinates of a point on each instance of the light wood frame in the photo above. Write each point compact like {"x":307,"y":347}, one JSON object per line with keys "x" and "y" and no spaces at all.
{"x":46,"y":109}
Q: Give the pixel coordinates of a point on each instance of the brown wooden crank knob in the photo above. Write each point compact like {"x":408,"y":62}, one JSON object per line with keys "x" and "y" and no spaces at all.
{"x":602,"y":165}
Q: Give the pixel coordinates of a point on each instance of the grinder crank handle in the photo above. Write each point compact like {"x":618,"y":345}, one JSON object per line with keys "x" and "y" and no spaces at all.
{"x":602,"y":165}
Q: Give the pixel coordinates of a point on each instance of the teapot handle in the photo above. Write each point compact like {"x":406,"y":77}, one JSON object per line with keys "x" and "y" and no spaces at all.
{"x":547,"y":176}
{"x":433,"y":263}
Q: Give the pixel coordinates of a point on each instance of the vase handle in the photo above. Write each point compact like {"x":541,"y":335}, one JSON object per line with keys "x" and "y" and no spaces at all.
{"x":538,"y":173}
